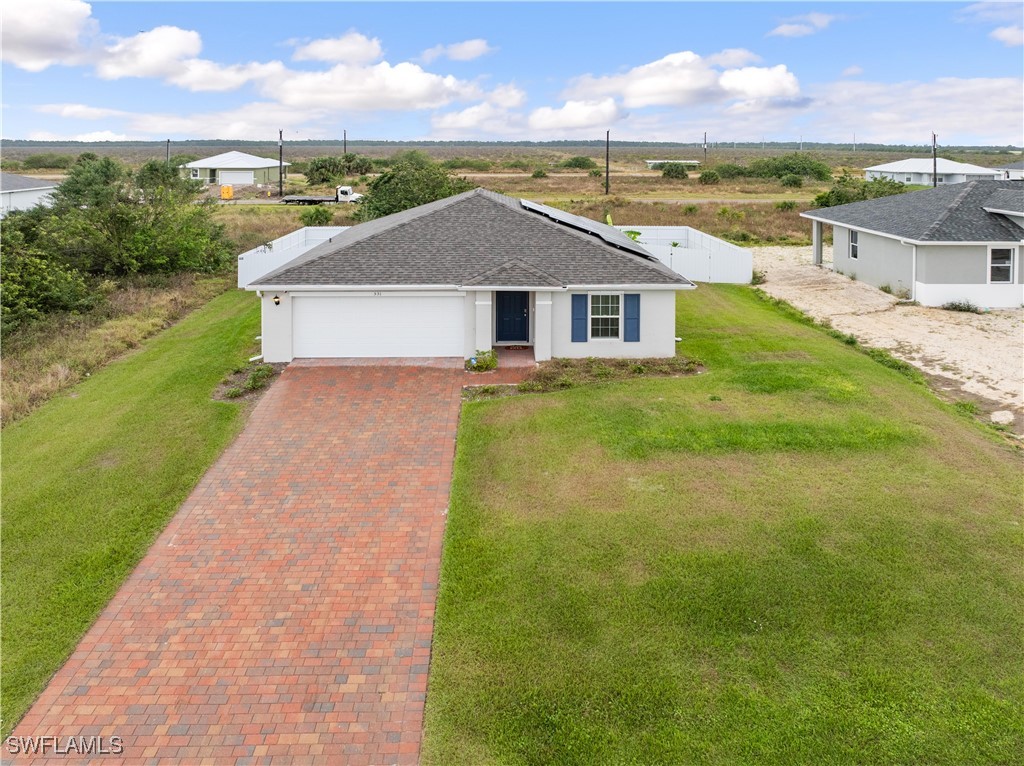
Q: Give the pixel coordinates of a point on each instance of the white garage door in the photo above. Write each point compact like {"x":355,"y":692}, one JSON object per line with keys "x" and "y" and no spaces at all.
{"x":377,"y":326}
{"x":237,"y":177}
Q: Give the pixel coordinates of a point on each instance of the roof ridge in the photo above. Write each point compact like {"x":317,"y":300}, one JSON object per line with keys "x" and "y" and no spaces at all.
{"x":507,"y":265}
{"x":950,"y":208}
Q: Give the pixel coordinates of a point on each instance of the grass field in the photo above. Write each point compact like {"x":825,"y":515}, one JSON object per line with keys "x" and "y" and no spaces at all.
{"x":92,"y":476}
{"x":799,"y":556}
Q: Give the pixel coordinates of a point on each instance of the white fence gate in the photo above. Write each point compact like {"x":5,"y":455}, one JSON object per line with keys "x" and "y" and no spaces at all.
{"x":695,"y":255}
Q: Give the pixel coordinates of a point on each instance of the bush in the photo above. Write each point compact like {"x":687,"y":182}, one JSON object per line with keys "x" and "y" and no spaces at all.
{"x":786,"y":205}
{"x":318,"y":215}
{"x":792,"y":181}
{"x":48,"y":160}
{"x":729,"y":214}
{"x":729,"y":170}
{"x":965,"y":305}
{"x":517,"y":165}
{"x":690,"y":209}
{"x":539,"y":173}
{"x":596,"y":173}
{"x":466,"y":163}
{"x":847,"y":189}
{"x":758,"y":277}
{"x":581,"y":163}
{"x":330,"y":170}
{"x":709,"y":178}
{"x":796,"y":163}
{"x":674,"y":170}
{"x":483,"y":361}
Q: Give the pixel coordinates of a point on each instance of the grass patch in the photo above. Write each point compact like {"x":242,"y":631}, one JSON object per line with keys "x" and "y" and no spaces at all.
{"x":560,"y":374}
{"x":90,"y":478}
{"x":799,"y":556}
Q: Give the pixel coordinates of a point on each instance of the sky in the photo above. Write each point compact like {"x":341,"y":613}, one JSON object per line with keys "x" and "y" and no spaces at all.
{"x":663,"y":71}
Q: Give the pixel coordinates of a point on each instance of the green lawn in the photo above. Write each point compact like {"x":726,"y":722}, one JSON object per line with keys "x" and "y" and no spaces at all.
{"x":798,"y":557}
{"x":92,"y":476}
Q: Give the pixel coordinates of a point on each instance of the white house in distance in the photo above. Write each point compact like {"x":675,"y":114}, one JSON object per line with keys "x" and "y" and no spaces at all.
{"x":22,"y":193}
{"x":1013,"y":171}
{"x":234,"y":169}
{"x":466,"y":274}
{"x":952,"y":243}
{"x":919,"y":171}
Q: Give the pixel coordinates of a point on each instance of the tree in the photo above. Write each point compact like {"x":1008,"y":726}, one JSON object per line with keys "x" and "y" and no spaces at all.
{"x":674,"y":170}
{"x":847,"y":189}
{"x":408,"y":185}
{"x":329,"y":170}
{"x":581,"y":163}
{"x":318,"y":215}
{"x":709,"y":178}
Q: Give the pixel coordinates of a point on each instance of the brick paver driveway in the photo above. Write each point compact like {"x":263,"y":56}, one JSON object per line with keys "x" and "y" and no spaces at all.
{"x":285,"y":615}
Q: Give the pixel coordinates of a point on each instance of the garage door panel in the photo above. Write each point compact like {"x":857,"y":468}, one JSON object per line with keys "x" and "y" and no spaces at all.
{"x":238,"y":177}
{"x":385,"y":326}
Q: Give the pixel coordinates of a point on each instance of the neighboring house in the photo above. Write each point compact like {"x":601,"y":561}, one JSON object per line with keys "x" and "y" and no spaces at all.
{"x":952,"y":243}
{"x":1012,"y":172}
{"x":234,"y":169}
{"x":468,"y":273}
{"x":919,"y":171}
{"x":22,"y":193}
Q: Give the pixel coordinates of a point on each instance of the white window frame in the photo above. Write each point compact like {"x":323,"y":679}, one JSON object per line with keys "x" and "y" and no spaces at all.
{"x":854,"y":245}
{"x":907,"y":179}
{"x":590,"y":317}
{"x":195,"y":173}
{"x":1013,"y":264}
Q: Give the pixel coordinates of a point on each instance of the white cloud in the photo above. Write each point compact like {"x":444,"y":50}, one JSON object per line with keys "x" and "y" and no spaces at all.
{"x":200,"y":75}
{"x":479,"y":118}
{"x":381,"y":87}
{"x":79,"y":111}
{"x":1011,"y":36}
{"x":350,"y":48}
{"x":464,"y":51}
{"x":156,"y":53}
{"x":732,"y":57}
{"x":41,"y":33}
{"x":685,"y":78}
{"x":852,"y":71}
{"x":574,"y":115}
{"x":990,"y":12}
{"x":249,"y":121}
{"x":507,"y":96}
{"x":801,"y":26}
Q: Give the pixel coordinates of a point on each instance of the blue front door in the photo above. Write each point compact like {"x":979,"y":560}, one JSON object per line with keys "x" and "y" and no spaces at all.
{"x":513,"y":317}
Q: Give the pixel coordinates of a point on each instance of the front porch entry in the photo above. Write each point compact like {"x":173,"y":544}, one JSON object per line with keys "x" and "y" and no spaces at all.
{"x":512,"y":317}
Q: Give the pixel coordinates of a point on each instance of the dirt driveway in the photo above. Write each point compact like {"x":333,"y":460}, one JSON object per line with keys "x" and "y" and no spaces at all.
{"x":976,"y":357}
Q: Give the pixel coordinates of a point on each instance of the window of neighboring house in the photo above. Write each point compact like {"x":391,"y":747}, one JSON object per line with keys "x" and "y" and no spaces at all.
{"x":605,"y":315}
{"x":854,"y":245}
{"x":940,"y":179}
{"x":1000,"y":265}
{"x":907,"y":179}
{"x":195,"y":172}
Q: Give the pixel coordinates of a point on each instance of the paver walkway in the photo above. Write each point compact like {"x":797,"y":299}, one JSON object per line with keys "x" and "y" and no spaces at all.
{"x":285,"y":615}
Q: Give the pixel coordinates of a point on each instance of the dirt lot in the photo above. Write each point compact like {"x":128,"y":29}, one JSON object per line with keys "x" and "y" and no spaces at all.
{"x":973,"y":357}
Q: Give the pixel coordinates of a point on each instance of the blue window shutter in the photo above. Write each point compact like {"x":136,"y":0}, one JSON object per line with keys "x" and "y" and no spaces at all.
{"x":632,"y":317}
{"x":579,"y":319}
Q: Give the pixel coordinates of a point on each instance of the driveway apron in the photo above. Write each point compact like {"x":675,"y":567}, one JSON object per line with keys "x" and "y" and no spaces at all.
{"x":285,"y":615}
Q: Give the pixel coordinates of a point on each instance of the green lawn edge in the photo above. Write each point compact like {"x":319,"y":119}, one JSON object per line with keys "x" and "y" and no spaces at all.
{"x":91,"y":478}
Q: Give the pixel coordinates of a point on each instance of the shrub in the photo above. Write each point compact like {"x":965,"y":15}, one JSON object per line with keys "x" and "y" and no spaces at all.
{"x":539,"y":173}
{"x":483,"y":361}
{"x":466,"y":163}
{"x":786,"y":205}
{"x":318,"y":215}
{"x":886,"y":288}
{"x":691,"y":209}
{"x":729,"y":170}
{"x":709,"y":178}
{"x":596,"y":173}
{"x":964,"y":305}
{"x":729,"y":214}
{"x":517,"y":165}
{"x":48,"y":160}
{"x":796,"y":163}
{"x":329,"y":170}
{"x":581,"y":163}
{"x":674,"y":170}
{"x":792,"y":181}
{"x":847,"y":189}
{"x":758,"y":278}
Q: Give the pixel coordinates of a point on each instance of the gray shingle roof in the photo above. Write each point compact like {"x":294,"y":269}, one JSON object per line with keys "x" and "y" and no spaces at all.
{"x":952,"y":213}
{"x":1012,"y":166}
{"x":13,"y":182}
{"x":1005,"y":199}
{"x":478,"y":237}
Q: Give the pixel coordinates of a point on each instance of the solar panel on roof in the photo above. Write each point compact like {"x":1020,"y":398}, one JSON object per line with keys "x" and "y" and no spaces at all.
{"x":612,"y":236}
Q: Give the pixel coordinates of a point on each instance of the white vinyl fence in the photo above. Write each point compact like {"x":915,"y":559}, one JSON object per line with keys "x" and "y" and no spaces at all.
{"x":261,"y":260}
{"x":697,"y":256}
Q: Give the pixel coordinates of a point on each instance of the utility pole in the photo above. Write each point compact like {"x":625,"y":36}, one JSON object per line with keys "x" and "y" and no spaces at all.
{"x":705,"y":148}
{"x":935,"y":164}
{"x":167,"y":157}
{"x":280,"y":163}
{"x":801,"y":143}
{"x":344,"y":142}
{"x":854,"y":142}
{"x":607,"y":160}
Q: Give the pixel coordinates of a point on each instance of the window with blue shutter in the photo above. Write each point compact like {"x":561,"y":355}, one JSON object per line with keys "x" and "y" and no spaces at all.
{"x":631,"y":306}
{"x":579,"y":318}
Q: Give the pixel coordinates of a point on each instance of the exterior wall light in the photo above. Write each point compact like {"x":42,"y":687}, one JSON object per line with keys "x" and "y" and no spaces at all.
{"x":277,"y":300}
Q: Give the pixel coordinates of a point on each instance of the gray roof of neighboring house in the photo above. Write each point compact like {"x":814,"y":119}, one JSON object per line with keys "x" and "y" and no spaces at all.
{"x":1012,"y":166}
{"x":954,"y":213}
{"x":476,"y":238}
{"x":13,"y":182}
{"x":1006,"y":200}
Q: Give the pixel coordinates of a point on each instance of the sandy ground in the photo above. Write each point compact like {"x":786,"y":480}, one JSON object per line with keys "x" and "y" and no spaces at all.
{"x":976,"y":357}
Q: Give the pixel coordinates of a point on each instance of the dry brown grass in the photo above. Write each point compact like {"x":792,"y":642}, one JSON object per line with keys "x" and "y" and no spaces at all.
{"x":251,"y":225}
{"x":44,"y":359}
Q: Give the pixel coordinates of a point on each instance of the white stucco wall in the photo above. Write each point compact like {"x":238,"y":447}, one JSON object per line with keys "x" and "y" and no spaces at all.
{"x":276,"y":322}
{"x":880,"y":261}
{"x":24,"y":199}
{"x":657,"y":329}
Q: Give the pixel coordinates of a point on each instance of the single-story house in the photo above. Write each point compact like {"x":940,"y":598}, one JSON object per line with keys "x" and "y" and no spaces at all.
{"x":22,"y":193}
{"x":466,"y":274}
{"x":234,"y":169}
{"x":919,"y":171}
{"x":1013,"y":171}
{"x":952,"y":243}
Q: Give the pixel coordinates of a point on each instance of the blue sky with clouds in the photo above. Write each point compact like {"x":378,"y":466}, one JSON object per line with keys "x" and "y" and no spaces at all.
{"x":889,"y":72}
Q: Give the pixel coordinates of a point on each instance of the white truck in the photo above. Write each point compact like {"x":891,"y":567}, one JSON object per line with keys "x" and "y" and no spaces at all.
{"x":341,"y":194}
